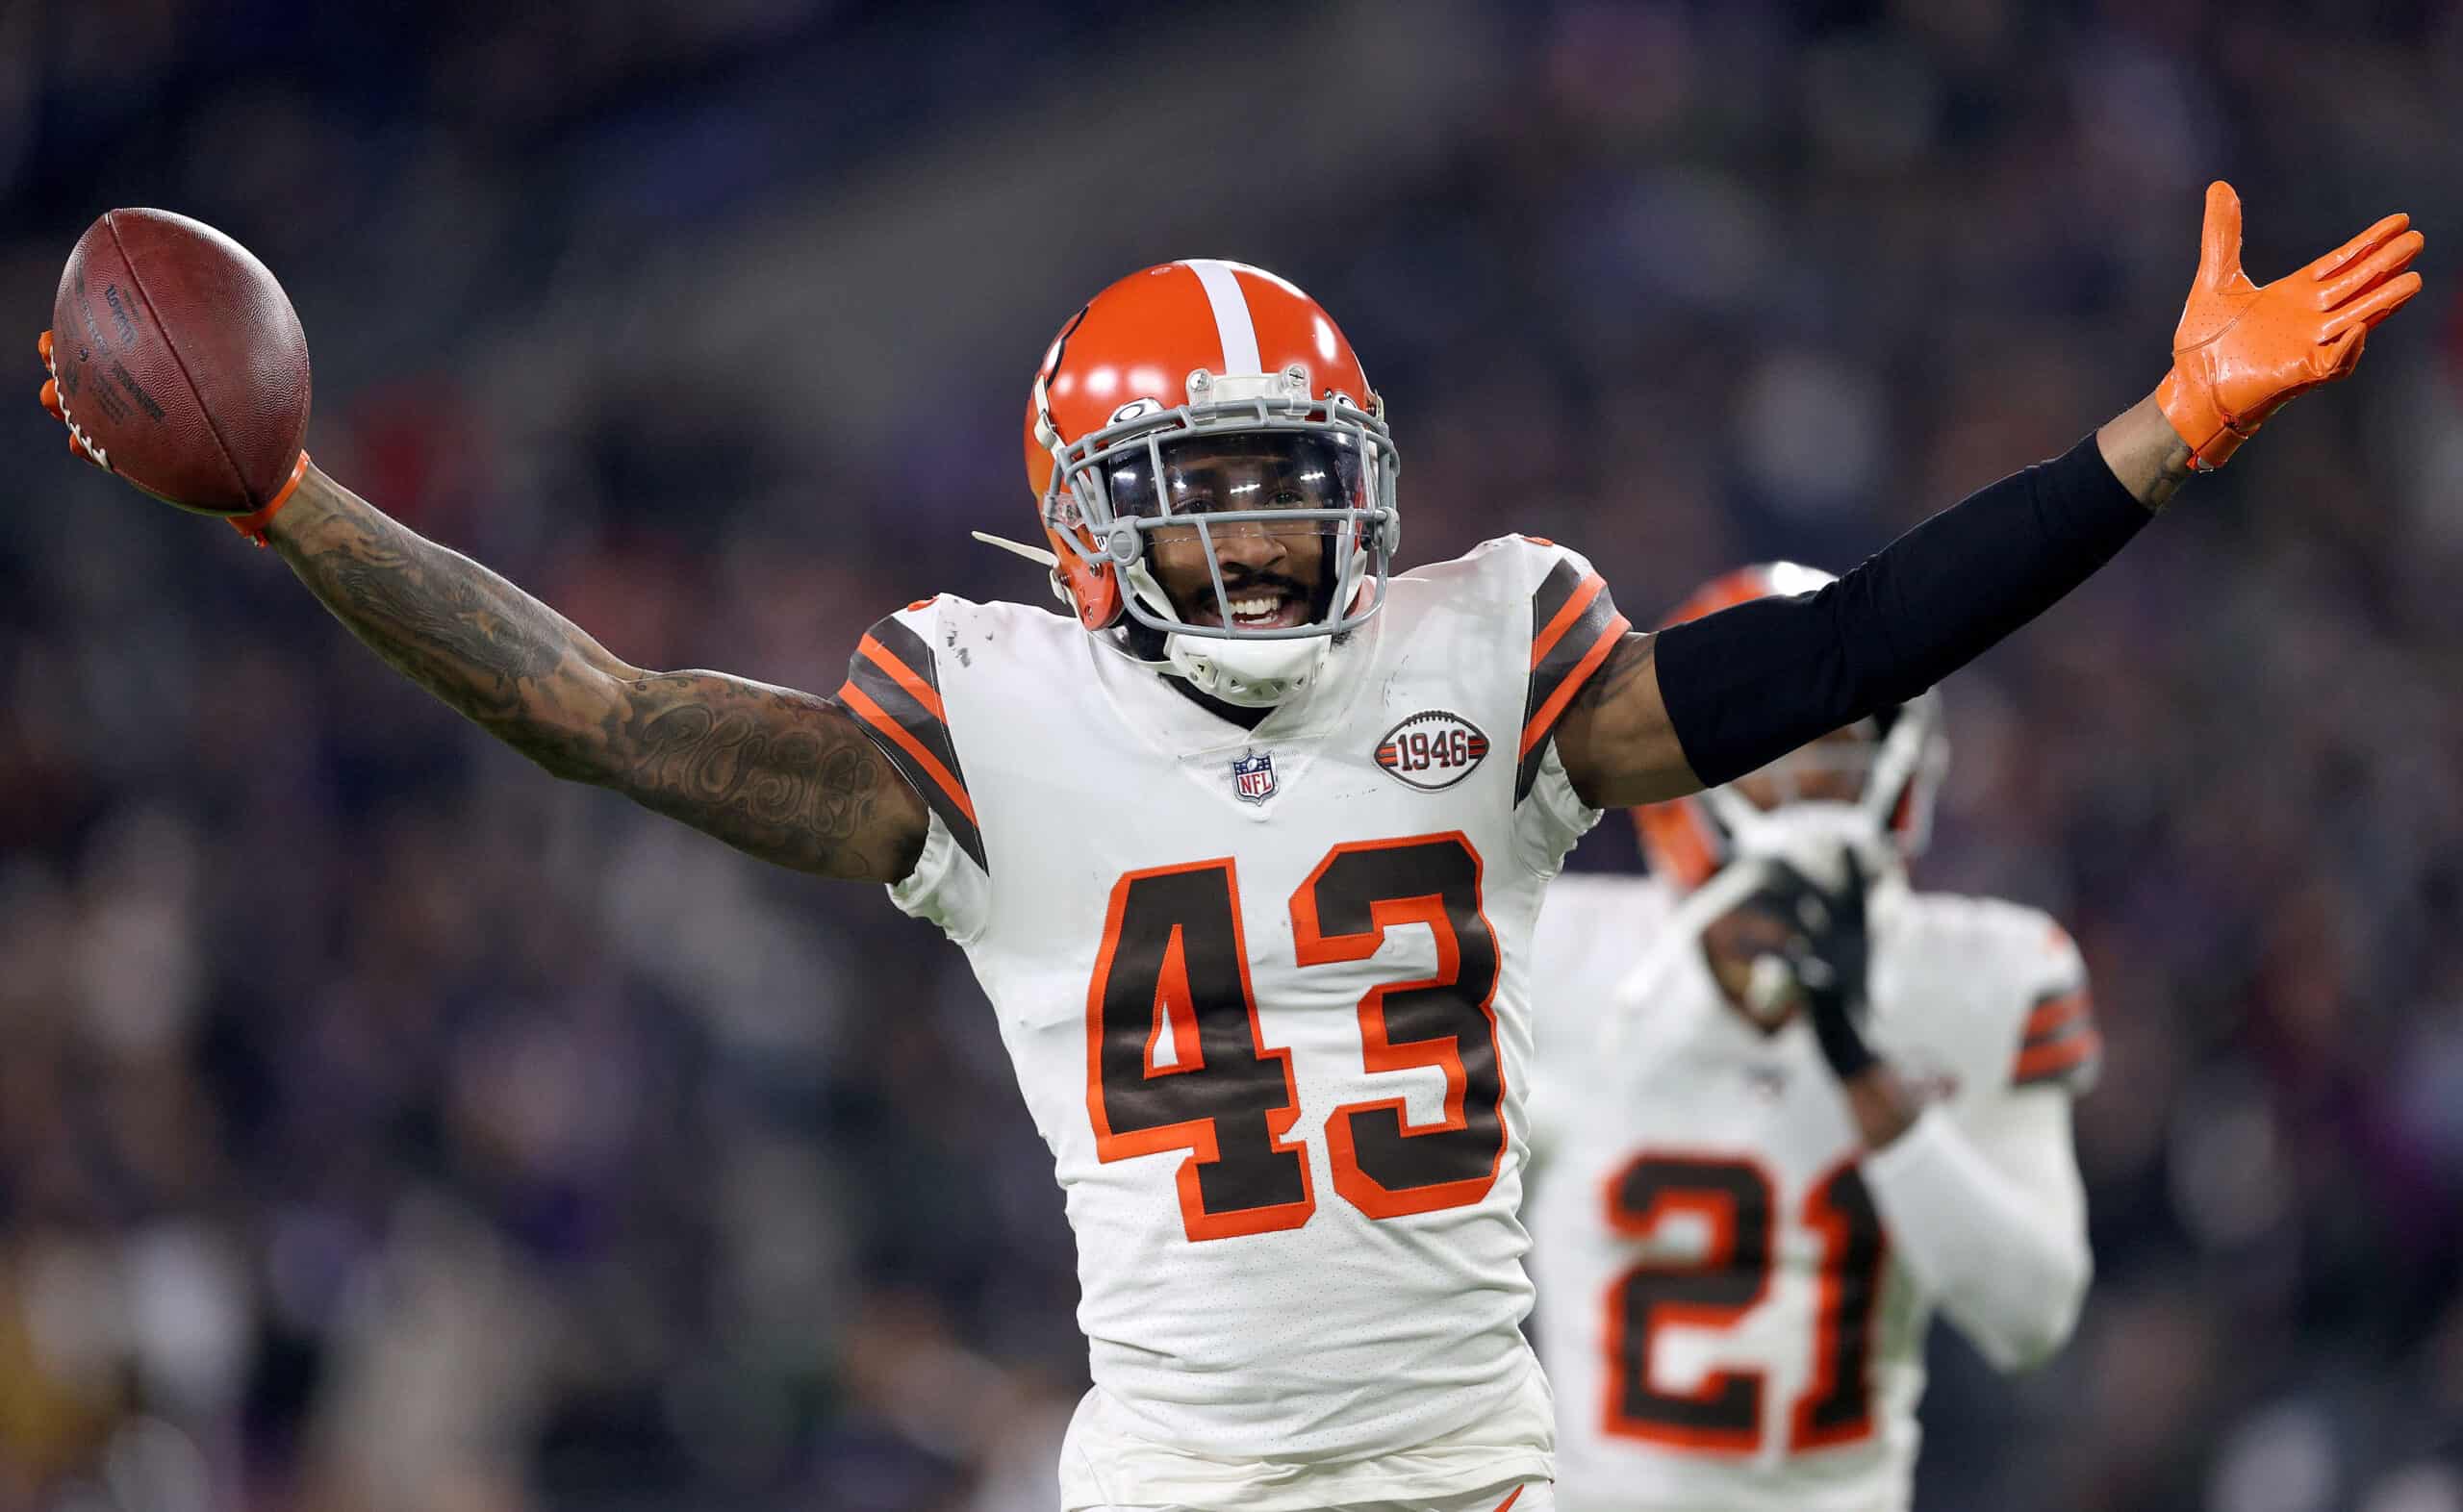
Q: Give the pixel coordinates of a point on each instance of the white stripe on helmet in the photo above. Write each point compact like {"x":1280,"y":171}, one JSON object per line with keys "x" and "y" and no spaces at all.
{"x":1230,"y":316}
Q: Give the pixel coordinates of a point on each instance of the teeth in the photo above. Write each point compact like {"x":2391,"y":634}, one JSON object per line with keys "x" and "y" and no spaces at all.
{"x":1254,"y":608}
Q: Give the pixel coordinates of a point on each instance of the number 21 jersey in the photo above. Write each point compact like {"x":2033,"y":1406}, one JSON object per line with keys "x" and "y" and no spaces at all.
{"x":1264,"y":991}
{"x":1723,"y":1310}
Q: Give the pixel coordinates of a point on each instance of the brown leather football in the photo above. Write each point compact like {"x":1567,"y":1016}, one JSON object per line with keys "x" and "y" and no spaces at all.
{"x":181,"y":362}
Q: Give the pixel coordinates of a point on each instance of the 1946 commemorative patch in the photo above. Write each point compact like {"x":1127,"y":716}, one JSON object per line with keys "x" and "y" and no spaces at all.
{"x":1432,"y":749}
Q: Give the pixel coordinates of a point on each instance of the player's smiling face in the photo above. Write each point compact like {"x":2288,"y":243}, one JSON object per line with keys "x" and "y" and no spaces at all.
{"x":1272,"y":575}
{"x":1276,"y":573}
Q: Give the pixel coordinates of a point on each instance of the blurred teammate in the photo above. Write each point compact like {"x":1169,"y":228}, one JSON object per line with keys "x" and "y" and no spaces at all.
{"x":1247,"y":845}
{"x":1785,"y":1108}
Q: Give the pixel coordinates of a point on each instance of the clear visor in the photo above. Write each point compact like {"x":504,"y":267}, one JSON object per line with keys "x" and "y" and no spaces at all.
{"x":1241,"y":472}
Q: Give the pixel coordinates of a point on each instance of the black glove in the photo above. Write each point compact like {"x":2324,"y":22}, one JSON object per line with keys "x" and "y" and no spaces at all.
{"x":1829,"y":952}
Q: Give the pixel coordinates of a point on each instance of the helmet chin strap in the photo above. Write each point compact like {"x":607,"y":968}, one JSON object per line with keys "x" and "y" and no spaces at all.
{"x":1249,"y":675}
{"x":1254,"y":674}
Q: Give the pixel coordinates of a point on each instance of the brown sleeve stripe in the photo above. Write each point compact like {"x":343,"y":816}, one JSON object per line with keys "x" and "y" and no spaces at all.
{"x":1544,"y":718}
{"x":891,"y":686}
{"x":2057,"y":1058}
{"x":900,"y":646}
{"x":2060,"y":1039}
{"x":1555,"y":630}
{"x":1575,"y":625}
{"x":2055,"y":1013}
{"x":1548,"y":600}
{"x":900,"y":673}
{"x":924,"y":761}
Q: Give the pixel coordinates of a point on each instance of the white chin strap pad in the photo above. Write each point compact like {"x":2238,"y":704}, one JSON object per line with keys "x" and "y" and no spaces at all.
{"x":1254,"y":674}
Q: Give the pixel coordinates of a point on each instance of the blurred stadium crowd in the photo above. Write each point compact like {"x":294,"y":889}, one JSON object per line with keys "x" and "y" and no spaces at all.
{"x":385,"y":1128}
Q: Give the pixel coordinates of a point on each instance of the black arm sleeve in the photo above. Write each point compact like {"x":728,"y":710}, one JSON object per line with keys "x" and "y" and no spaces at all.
{"x":1750,"y":684}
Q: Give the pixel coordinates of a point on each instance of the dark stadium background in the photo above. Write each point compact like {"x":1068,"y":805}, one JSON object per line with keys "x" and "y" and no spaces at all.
{"x":385,"y":1128}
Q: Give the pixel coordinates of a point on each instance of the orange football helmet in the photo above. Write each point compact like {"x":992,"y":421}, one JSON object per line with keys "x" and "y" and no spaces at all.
{"x":1144,"y":383}
{"x":1898,"y":763}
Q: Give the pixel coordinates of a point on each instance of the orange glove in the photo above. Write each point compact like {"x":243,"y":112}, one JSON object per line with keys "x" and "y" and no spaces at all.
{"x":78,"y":444}
{"x":2241,"y":350}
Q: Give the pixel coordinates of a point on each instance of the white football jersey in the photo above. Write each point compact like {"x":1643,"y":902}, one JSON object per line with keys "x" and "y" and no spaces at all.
{"x":1721,"y":1311}
{"x":1264,"y":991}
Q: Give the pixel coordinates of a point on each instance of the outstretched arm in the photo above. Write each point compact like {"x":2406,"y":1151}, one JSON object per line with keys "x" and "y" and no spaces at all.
{"x":1776,"y":667}
{"x":1715,"y":697}
{"x":780,"y":774}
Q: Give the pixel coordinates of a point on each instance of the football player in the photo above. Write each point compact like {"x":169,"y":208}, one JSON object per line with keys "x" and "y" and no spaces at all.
{"x":1246,"y":846}
{"x":1786,"y":1107}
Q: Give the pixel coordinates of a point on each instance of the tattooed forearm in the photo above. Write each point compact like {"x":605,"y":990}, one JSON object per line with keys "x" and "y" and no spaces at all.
{"x":781,"y":774}
{"x":502,"y":658}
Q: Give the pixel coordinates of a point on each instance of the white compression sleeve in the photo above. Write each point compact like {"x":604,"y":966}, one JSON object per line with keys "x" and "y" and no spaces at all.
{"x":1991,"y":1219}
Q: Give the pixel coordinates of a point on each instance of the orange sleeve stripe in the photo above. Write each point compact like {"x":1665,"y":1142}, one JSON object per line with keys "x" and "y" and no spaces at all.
{"x":1545,"y":720}
{"x":872,"y":714}
{"x":887,"y":661}
{"x":1565,"y":616}
{"x":2052,"y":1015}
{"x":2061,"y":1055}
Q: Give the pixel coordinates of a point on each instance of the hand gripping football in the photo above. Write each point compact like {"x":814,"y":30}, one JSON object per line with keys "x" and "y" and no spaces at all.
{"x":178,"y":363}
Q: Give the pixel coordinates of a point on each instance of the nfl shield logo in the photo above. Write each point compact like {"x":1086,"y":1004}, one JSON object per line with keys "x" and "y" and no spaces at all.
{"x":1252,"y":778}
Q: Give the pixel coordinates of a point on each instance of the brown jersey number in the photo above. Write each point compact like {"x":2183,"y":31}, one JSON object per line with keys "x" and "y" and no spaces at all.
{"x":1175,"y":961}
{"x":1732,"y":1200}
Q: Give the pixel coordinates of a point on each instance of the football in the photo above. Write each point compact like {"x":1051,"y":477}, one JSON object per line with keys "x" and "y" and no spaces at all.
{"x":180,"y":362}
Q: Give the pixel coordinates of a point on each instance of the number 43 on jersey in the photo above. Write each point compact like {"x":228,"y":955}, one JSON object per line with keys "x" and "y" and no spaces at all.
{"x":1173,"y":954}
